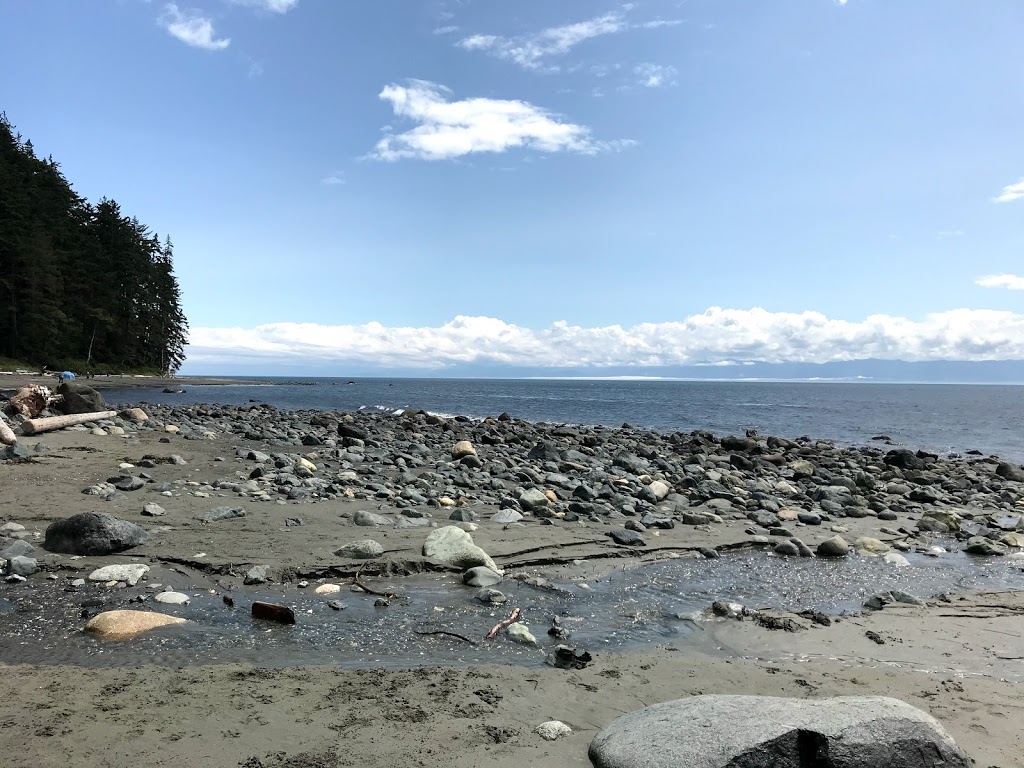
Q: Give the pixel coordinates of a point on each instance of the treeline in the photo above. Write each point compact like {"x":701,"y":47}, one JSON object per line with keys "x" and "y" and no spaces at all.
{"x":82,"y":287}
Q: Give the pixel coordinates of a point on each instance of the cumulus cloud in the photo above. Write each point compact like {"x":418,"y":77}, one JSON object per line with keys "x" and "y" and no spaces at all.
{"x":1011,"y":282}
{"x":530,"y":51}
{"x":447,"y":129}
{"x":1011,"y":192}
{"x":192,"y":28}
{"x":715,"y":337}
{"x":655,"y":75}
{"x":335,"y":179}
{"x":269,"y":6}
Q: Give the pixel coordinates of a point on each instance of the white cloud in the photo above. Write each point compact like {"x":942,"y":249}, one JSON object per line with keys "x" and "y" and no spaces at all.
{"x":334,"y":179}
{"x":529,"y":51}
{"x":192,"y":29}
{"x":1011,"y":192}
{"x":655,"y":75}
{"x":1010,"y":282}
{"x":716,"y":337}
{"x":269,"y":6}
{"x":446,"y":30}
{"x":447,"y":129}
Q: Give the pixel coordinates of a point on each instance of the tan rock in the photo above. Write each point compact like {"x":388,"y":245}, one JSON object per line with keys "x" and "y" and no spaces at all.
{"x":134,"y":414}
{"x":463,"y":448}
{"x":1013,"y":539}
{"x":122,"y":625}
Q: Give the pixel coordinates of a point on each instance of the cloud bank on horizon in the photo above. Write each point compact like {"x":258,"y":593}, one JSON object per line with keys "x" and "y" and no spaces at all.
{"x":715,"y":337}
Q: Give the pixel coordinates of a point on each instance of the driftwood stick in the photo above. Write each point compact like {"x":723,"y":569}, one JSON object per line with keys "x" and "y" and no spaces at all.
{"x":35,"y":426}
{"x":443,"y":632}
{"x":512,"y":619}
{"x":7,"y":437}
{"x":362,"y":586}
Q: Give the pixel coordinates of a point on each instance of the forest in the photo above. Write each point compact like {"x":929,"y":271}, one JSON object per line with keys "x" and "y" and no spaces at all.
{"x":83,"y":287}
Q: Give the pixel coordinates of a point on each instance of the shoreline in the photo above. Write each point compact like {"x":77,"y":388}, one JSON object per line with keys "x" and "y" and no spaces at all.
{"x":961,"y":668}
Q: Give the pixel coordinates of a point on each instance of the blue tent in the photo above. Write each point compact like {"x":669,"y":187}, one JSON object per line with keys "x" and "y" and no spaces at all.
{"x":67,"y":376}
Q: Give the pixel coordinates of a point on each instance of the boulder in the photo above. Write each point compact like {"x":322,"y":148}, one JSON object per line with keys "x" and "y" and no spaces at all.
{"x":659,"y":489}
{"x":362,"y":517}
{"x":979,"y":545}
{"x":93,"y":533}
{"x":172,"y":598}
{"x":453,"y":546}
{"x":128,"y":572}
{"x":19,"y":565}
{"x":121,"y":625}
{"x":136,"y":415}
{"x":220,"y":513}
{"x":533,"y":498}
{"x":834,"y":547}
{"x":506,"y":516}
{"x":1010,"y":472}
{"x":873,"y":546}
{"x":463,"y":448}
{"x":79,"y":398}
{"x":520,"y":634}
{"x":481,"y":576}
{"x":627,"y":538}
{"x":763,"y":731}
{"x":365,"y":549}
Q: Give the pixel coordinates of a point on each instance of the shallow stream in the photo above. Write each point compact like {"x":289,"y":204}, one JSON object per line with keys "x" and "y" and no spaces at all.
{"x":661,"y":604}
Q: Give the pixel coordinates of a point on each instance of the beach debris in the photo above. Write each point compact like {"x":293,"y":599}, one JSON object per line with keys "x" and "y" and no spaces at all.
{"x":32,"y":400}
{"x":281,"y":614}
{"x":369,"y":590}
{"x":122,"y":625}
{"x":444,"y":632}
{"x":36,"y":426}
{"x":567,"y":657}
{"x":7,"y":436}
{"x":229,"y":601}
{"x":512,"y":619}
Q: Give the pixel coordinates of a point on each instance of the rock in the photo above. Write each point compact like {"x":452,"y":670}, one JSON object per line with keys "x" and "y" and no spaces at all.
{"x":802,"y":468}
{"x":764,"y":731}
{"x":153,"y":510}
{"x":1009,"y":539}
{"x":93,"y":533}
{"x":129,"y":483}
{"x":172,"y":598}
{"x":787,"y":549}
{"x":627,"y":538}
{"x":328,"y":589}
{"x":868,"y":544}
{"x":520,"y":634}
{"x":493,"y":596}
{"x":481,"y":576}
{"x":136,"y":415}
{"x":364,"y":518}
{"x":533,"y":499}
{"x":453,"y":546}
{"x":20,"y":565}
{"x":463,"y":448}
{"x":121,"y":625}
{"x":659,"y":490}
{"x":1010,"y":472}
{"x":79,"y":398}
{"x":834,"y":547}
{"x":7,"y":528}
{"x":305,"y":464}
{"x":552,"y":730}
{"x":17,"y":548}
{"x":282,"y":614}
{"x":979,"y":545}
{"x":128,"y":572}
{"x":256,"y":575}
{"x":505,"y":516}
{"x":365,"y":549}
{"x":220,"y":513}
{"x":809,"y":518}
{"x":894,"y":558}
{"x":463,"y":516}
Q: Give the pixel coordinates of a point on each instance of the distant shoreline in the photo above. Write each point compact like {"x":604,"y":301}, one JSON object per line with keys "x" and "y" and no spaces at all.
{"x":12,"y":381}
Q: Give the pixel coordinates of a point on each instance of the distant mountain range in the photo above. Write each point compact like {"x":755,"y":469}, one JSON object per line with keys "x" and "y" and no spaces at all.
{"x":939,"y":371}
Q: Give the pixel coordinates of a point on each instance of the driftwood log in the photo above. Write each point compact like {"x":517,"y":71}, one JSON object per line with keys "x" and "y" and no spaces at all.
{"x":7,"y":437}
{"x":35,"y":426}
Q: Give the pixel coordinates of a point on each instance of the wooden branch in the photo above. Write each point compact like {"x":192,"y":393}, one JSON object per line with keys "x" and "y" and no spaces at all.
{"x":362,"y":586}
{"x":35,"y":426}
{"x":512,"y":619}
{"x":7,"y":436}
{"x":443,"y":632}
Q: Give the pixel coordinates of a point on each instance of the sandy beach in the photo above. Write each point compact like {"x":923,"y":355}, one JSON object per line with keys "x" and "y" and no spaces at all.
{"x":958,"y":657}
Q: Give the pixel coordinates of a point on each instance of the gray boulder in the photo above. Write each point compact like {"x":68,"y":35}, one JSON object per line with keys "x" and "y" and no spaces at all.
{"x":481,"y":576}
{"x":1011,"y":472}
{"x":17,"y":548}
{"x":22,"y":566}
{"x":365,"y":549}
{"x":80,"y":398}
{"x":93,"y":533}
{"x":362,"y":517}
{"x":453,"y":546}
{"x":834,"y":547}
{"x":533,"y":498}
{"x":220,"y":513}
{"x":765,"y":731}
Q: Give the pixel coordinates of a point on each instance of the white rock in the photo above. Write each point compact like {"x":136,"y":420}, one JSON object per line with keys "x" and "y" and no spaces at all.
{"x":172,"y":598}
{"x":453,"y":546}
{"x":896,"y":559}
{"x":520,"y":633}
{"x":327,"y":589}
{"x":553,"y":729}
{"x":130,"y":573}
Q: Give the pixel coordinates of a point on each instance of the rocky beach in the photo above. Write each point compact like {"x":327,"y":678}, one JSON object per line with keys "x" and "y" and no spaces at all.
{"x":397,"y":542}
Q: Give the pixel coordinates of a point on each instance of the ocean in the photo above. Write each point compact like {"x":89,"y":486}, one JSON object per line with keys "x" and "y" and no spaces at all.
{"x":936,"y":417}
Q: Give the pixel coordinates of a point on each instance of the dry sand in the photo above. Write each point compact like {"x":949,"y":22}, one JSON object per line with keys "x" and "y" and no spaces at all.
{"x":960,"y":661}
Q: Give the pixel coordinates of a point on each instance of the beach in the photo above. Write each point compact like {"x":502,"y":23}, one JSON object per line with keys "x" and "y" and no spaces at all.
{"x":394,"y":479}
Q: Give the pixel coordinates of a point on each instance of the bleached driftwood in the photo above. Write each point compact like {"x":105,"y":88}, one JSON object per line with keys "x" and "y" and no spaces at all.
{"x":35,"y":426}
{"x":7,"y":436}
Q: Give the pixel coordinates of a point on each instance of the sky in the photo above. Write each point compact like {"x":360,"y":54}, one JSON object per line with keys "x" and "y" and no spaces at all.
{"x":459,"y":186}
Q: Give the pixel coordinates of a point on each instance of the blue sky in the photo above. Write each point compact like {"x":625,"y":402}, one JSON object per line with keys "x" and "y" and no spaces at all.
{"x":440,"y":185}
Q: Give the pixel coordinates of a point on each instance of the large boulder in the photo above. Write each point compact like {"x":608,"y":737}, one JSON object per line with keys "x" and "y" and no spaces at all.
{"x":764,"y":731}
{"x":80,"y":398}
{"x":453,"y":546}
{"x":121,"y":625}
{"x":93,"y":533}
